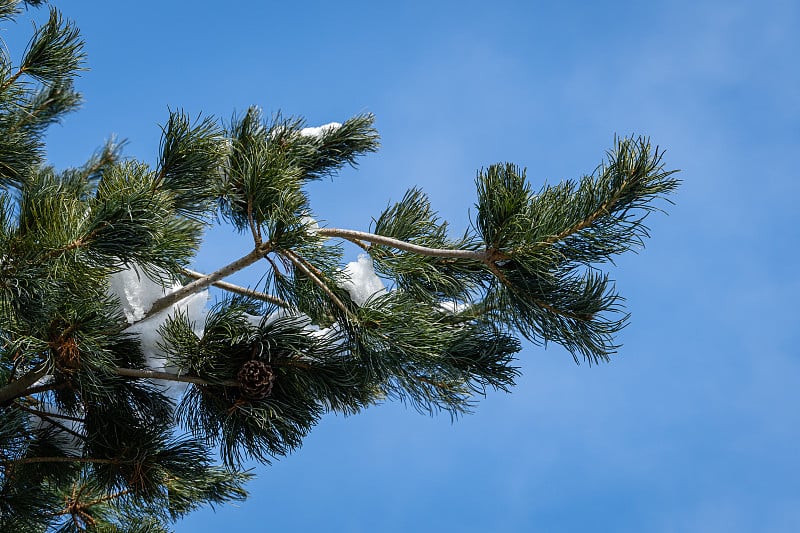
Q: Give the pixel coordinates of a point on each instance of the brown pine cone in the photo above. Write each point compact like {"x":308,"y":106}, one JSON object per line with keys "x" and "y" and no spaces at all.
{"x":256,"y":378}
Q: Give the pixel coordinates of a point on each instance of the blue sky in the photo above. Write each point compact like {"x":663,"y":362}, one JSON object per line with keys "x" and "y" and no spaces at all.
{"x":694,"y":425}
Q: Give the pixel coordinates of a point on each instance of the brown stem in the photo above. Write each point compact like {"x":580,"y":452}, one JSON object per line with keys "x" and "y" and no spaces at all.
{"x":353,"y":236}
{"x":37,"y":412}
{"x":10,"y":81}
{"x":93,"y":502}
{"x":361,"y":244}
{"x":77,"y":243}
{"x":230,"y":287}
{"x":108,"y":497}
{"x":167,"y":376}
{"x":588,"y":221}
{"x":539,"y":303}
{"x":19,"y":387}
{"x":304,"y":267}
{"x":274,"y":266}
{"x":201,"y":283}
{"x":45,"y":387}
{"x":49,"y":418}
{"x":293,"y":363}
{"x":437,"y":384}
{"x":84,"y":460}
{"x":105,"y":157}
{"x":30,"y":115}
{"x":256,"y":231}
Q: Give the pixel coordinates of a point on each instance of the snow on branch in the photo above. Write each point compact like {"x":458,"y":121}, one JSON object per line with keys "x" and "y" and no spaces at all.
{"x":319,"y":131}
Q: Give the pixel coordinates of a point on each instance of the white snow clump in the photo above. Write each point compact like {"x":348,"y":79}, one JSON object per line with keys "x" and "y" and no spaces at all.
{"x":310,"y":223}
{"x":362,"y":282}
{"x":137,"y":293}
{"x":319,"y":131}
{"x":452,"y":306}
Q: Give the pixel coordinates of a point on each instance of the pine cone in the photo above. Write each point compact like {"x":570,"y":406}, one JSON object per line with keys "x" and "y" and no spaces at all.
{"x":256,"y":378}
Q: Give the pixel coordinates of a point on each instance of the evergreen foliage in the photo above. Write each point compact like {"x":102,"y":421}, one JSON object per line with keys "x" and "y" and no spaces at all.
{"x":91,"y":440}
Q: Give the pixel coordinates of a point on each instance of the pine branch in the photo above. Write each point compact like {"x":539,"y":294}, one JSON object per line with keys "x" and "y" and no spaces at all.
{"x":306,"y":268}
{"x":83,"y":460}
{"x":255,"y":229}
{"x":12,"y":79}
{"x":167,"y":376}
{"x":37,"y":412}
{"x":202,"y":283}
{"x":44,"y":415}
{"x":544,"y":305}
{"x":45,"y":387}
{"x":242,"y":291}
{"x":75,"y":244}
{"x":19,"y":387}
{"x":102,"y":499}
{"x":102,"y":160}
{"x":604,"y":209}
{"x":354,"y":236}
{"x":55,"y":51}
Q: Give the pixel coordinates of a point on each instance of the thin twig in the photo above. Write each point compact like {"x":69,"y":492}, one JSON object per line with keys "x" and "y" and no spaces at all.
{"x":432,"y":383}
{"x":73,"y":504}
{"x":19,"y":386}
{"x":604,"y":209}
{"x":275,"y":267}
{"x":37,"y":412}
{"x":47,"y":417}
{"x":353,"y":236}
{"x":167,"y":376}
{"x":255,"y":230}
{"x":200,"y":284}
{"x":10,"y":81}
{"x":85,"y":460}
{"x":539,"y":303}
{"x":45,"y":387}
{"x":108,"y":497}
{"x":243,"y":291}
{"x":77,"y":243}
{"x":361,"y":244}
{"x":303,"y":266}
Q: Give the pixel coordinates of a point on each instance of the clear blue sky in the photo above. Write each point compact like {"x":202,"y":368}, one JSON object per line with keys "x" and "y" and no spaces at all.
{"x":694,"y":426}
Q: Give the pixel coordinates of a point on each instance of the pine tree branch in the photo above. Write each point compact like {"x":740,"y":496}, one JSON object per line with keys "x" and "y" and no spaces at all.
{"x":44,"y":415}
{"x":12,"y":79}
{"x":202,"y":283}
{"x":243,"y":291}
{"x":45,"y":387}
{"x":30,"y":114}
{"x":603,"y":209}
{"x":167,"y":376}
{"x":77,"y":243}
{"x":20,"y":386}
{"x":306,"y":268}
{"x":85,"y":460}
{"x":38,"y":412}
{"x":539,"y":303}
{"x":254,"y":228}
{"x":361,"y":244}
{"x":108,"y":497}
{"x":432,"y":383}
{"x":275,"y":268}
{"x":353,"y":236}
{"x":106,"y":157}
